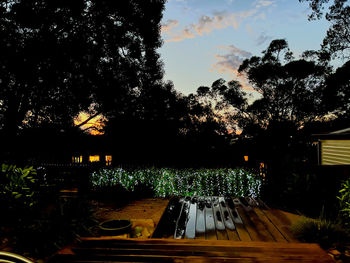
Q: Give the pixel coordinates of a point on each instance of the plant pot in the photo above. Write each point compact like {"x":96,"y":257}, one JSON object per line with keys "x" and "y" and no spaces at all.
{"x":115,"y":227}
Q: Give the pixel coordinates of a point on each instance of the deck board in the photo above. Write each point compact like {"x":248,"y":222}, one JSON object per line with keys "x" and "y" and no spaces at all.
{"x":255,"y":222}
{"x":185,"y":250}
{"x":253,"y":232}
{"x":278,"y":237}
{"x":238,"y":219}
{"x":281,"y":222}
{"x":232,"y":235}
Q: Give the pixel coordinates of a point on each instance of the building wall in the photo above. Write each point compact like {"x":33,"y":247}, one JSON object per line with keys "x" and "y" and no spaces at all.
{"x":335,"y":152}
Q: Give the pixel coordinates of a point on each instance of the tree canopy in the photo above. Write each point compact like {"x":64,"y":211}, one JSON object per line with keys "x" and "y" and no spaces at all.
{"x":337,"y":40}
{"x":61,"y":57}
{"x":336,"y":44}
{"x":290,"y":88}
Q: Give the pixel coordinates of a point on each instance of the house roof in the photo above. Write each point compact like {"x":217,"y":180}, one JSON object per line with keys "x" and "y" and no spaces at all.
{"x":343,"y":134}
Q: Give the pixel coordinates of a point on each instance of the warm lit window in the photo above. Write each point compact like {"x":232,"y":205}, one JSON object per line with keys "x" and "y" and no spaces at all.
{"x":94,"y":158}
{"x":262,"y":170}
{"x":77,"y":159}
{"x":108,"y":160}
{"x":246,"y":158}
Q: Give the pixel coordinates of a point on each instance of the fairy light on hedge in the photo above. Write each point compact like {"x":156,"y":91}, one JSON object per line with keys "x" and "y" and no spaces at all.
{"x":169,"y":182}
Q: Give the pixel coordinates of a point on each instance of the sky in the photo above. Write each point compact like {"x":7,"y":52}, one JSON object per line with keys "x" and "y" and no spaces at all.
{"x":205,"y":40}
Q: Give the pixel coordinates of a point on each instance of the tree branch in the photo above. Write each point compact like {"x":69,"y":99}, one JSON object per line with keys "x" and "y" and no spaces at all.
{"x":88,"y":119}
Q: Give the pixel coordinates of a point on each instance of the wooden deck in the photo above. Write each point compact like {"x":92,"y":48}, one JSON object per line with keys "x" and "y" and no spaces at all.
{"x":261,"y":234}
{"x":112,"y":249}
{"x":252,"y":221}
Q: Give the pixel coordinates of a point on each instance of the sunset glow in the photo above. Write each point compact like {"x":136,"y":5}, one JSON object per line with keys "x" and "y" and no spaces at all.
{"x":94,"y":126}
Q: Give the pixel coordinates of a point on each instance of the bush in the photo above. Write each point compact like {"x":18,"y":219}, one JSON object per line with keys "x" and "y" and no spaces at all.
{"x":344,"y":202}
{"x":173,"y":182}
{"x":307,"y":189}
{"x":320,"y":231}
{"x":44,"y":234}
{"x":34,"y":218}
{"x":17,"y":187}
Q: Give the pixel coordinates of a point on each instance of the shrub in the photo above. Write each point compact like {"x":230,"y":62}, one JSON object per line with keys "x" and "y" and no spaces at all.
{"x":34,"y":218}
{"x":320,"y":231}
{"x":17,"y":187}
{"x":43,"y":234}
{"x":344,"y":202}
{"x":187,"y":182}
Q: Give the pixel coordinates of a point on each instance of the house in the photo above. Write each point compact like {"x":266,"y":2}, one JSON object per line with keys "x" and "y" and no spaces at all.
{"x":334,"y":148}
{"x":60,"y":150}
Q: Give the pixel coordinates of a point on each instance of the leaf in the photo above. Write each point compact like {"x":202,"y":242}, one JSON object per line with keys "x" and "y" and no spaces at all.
{"x":25,"y":173}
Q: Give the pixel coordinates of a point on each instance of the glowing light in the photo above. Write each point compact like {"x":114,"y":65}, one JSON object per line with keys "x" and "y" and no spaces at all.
{"x":234,"y":131}
{"x":245,"y":158}
{"x":94,"y":158}
{"x":93,"y":126}
{"x":77,"y":159}
{"x":108,"y":160}
{"x":262,"y":170}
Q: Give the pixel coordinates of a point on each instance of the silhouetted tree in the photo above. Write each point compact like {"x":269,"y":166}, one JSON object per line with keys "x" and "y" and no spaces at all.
{"x":336,"y":96}
{"x":224,"y":100}
{"x":335,"y":44}
{"x":170,"y":129}
{"x":337,"y":40}
{"x":60,"y":57}
{"x":290,"y":89}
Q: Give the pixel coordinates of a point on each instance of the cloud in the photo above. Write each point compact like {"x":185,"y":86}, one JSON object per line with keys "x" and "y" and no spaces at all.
{"x":263,"y":3}
{"x":205,"y":25}
{"x":218,"y":20}
{"x":230,"y":62}
{"x":169,"y":25}
{"x":262,"y":38}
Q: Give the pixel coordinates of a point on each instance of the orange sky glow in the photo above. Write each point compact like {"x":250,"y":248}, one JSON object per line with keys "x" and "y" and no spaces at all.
{"x":93,"y":126}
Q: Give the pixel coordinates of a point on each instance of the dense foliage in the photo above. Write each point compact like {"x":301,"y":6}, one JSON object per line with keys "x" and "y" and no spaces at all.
{"x":17,"y":187}
{"x":336,"y":42}
{"x":35,"y":219}
{"x":62,"y":57}
{"x":326,"y":233}
{"x":52,"y":227}
{"x":344,"y":199}
{"x":171,"y":182}
{"x":329,"y":233}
